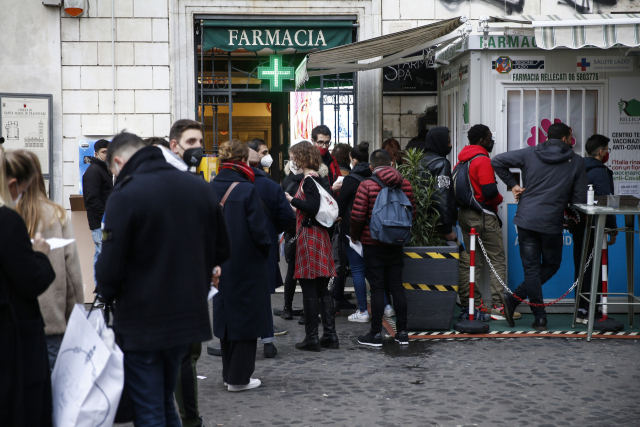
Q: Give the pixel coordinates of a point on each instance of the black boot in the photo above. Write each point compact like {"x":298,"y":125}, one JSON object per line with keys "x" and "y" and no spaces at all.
{"x":286,"y":313}
{"x":540,"y":324}
{"x":301,"y":320}
{"x":509,"y":303}
{"x":329,"y":337}
{"x":311,"y":341}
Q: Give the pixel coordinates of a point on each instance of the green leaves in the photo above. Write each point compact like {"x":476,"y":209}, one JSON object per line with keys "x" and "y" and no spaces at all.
{"x":424,"y":229}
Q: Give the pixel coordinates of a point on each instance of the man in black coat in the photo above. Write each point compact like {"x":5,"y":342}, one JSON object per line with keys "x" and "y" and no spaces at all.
{"x":278,"y":216}
{"x":163,"y":235}
{"x":601,"y":177}
{"x":553,"y":176}
{"x":97,"y":183}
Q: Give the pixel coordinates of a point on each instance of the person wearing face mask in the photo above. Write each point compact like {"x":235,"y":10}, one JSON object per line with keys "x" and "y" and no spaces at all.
{"x":164,"y":232}
{"x":321,"y":137}
{"x":553,"y":176}
{"x":25,"y":273}
{"x":185,"y":142}
{"x":264,"y":158}
{"x":97,"y":184}
{"x":601,"y":177}
{"x":483,"y":216}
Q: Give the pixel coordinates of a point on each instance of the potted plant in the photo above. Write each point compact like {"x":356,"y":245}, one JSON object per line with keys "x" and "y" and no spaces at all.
{"x":430,"y":273}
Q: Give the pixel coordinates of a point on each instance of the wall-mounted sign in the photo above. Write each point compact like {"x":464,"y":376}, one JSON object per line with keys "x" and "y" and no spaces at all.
{"x":502,"y":42}
{"x":506,"y":64}
{"x":253,"y":35}
{"x":555,"y":77}
{"x":410,"y":77}
{"x":26,"y":123}
{"x":604,"y":63}
{"x":624,"y":128}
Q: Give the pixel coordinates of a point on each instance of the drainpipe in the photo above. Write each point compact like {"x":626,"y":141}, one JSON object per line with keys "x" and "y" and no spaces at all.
{"x":113,"y":69}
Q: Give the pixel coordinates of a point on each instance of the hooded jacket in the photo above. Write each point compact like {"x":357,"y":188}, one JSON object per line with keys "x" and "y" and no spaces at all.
{"x":552,"y":175}
{"x":601,"y":177}
{"x":435,"y":164}
{"x":366,"y":198}
{"x":164,"y":233}
{"x":482,"y":176}
{"x":97,"y":183}
{"x":347,"y":194}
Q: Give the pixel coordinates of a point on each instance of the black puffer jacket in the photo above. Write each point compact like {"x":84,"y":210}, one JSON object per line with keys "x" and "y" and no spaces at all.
{"x":435,"y":164}
{"x":347,"y":194}
{"x":97,"y":183}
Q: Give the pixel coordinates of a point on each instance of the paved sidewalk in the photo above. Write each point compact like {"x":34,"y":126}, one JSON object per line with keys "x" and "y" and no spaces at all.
{"x":488,"y":382}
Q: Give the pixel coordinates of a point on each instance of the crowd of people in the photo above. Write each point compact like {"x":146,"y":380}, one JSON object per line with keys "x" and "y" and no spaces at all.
{"x":163,"y":231}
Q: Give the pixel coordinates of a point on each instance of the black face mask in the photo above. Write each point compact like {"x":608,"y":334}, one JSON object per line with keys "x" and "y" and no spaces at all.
{"x":447,"y":150}
{"x":490,"y":147}
{"x":193,"y":156}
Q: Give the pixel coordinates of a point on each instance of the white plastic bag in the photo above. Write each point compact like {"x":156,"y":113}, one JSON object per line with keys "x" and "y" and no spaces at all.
{"x":88,"y":376}
{"x":328,"y":212}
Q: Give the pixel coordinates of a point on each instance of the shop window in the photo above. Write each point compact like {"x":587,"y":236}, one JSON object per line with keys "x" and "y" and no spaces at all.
{"x":531,"y":111}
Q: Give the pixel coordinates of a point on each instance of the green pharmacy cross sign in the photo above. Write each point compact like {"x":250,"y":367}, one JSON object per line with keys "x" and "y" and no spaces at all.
{"x":276,"y":73}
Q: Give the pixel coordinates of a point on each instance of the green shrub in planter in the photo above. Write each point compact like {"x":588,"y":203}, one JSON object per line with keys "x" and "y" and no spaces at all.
{"x":430,"y":261}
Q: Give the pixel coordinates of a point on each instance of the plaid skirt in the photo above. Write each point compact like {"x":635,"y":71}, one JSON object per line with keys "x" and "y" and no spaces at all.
{"x":314,"y":256}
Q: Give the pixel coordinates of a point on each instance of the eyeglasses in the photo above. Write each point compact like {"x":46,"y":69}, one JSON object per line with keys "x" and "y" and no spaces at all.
{"x":323,"y":143}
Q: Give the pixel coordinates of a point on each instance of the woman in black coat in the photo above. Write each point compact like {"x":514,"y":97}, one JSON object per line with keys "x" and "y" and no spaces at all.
{"x":243,"y":302}
{"x":25,"y":273}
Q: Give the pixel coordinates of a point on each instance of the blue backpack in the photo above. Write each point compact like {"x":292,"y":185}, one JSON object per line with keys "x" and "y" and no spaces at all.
{"x":392,"y":215}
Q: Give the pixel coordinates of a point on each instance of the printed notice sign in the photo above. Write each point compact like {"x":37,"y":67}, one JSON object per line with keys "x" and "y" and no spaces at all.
{"x":629,"y":189}
{"x":624,"y":128}
{"x":24,"y":123}
{"x":604,"y":63}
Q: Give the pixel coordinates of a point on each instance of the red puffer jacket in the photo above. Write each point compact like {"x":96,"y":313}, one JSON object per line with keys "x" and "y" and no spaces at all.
{"x":366,"y":199}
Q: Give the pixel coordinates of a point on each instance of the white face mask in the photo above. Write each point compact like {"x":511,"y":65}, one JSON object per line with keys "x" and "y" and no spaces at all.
{"x":294,"y":168}
{"x":15,"y":202}
{"x":266,"y":161}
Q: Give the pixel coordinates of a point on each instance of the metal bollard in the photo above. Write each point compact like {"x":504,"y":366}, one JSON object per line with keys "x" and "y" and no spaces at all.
{"x":605,"y":324}
{"x":472,"y":272}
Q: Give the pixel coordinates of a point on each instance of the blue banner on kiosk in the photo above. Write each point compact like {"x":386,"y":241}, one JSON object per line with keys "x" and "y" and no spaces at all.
{"x":562,"y":281}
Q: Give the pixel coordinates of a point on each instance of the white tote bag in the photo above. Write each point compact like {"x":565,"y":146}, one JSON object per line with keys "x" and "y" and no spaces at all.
{"x":328,"y":212}
{"x":88,"y":376}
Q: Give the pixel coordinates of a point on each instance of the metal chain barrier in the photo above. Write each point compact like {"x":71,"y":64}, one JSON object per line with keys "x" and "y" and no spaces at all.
{"x":495,"y":273}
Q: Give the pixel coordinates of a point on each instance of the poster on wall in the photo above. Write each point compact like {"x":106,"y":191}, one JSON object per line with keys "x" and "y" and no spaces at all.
{"x":506,"y":64}
{"x":410,"y":77}
{"x":305,"y":114}
{"x":464,"y":105}
{"x":25,"y":124}
{"x":624,"y":129}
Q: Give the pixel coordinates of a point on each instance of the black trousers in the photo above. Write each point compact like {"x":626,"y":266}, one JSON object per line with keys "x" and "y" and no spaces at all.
{"x":383,"y":266}
{"x":289,"y":285}
{"x":187,"y":387}
{"x":315,"y":288}
{"x":578,"y":243}
{"x":238,"y":361}
{"x":338,"y":288}
{"x":541,"y":256}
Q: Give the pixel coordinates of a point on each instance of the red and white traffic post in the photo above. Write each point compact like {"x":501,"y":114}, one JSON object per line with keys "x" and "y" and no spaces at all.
{"x":472,"y":271}
{"x":605,"y":277}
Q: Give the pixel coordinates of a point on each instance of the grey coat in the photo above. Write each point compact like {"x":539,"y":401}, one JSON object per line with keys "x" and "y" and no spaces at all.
{"x":552,"y":175}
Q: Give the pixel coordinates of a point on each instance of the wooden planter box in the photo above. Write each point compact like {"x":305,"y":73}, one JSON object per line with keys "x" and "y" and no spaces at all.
{"x":430,"y":278}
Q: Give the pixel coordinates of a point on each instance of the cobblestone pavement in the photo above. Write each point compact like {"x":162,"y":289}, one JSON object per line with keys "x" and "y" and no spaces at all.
{"x":487,"y":382}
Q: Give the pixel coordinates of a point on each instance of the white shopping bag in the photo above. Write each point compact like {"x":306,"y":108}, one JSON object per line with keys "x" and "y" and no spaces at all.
{"x":88,"y":376}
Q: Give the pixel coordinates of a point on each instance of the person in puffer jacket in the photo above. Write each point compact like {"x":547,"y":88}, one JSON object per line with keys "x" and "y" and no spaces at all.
{"x":383,"y":263}
{"x":437,"y":147}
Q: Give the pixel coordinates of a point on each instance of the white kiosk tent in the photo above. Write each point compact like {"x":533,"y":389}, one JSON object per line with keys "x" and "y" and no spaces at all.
{"x":518,"y":75}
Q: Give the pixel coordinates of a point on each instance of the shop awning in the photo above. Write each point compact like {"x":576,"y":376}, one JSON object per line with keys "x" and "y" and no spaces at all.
{"x":394,"y":49}
{"x":577,"y":31}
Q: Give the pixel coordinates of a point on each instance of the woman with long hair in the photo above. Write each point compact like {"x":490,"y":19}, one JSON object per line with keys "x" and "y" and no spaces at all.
{"x":244,"y":298}
{"x":314,"y":260}
{"x":393,"y":148}
{"x":41,"y":215}
{"x":25,"y":273}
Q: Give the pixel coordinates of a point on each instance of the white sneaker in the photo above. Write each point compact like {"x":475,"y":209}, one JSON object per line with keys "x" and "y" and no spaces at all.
{"x":389,"y":311}
{"x":360,"y":317}
{"x":253,"y":383}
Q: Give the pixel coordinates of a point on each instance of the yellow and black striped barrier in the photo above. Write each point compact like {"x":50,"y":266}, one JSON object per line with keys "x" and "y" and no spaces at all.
{"x":431,"y":255}
{"x":443,"y":288}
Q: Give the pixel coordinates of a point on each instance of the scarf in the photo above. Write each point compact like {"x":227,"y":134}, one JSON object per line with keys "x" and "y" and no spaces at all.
{"x":241,"y":167}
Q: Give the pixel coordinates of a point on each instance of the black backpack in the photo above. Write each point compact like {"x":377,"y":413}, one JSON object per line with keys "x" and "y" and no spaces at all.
{"x":462,"y":188}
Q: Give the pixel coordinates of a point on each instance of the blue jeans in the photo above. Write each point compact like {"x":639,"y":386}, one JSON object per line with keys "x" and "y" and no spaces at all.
{"x":357,"y":272}
{"x":97,"y":241}
{"x":150,"y":378}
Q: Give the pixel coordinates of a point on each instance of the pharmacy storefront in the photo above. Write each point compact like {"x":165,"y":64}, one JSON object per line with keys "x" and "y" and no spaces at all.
{"x":519,"y":81}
